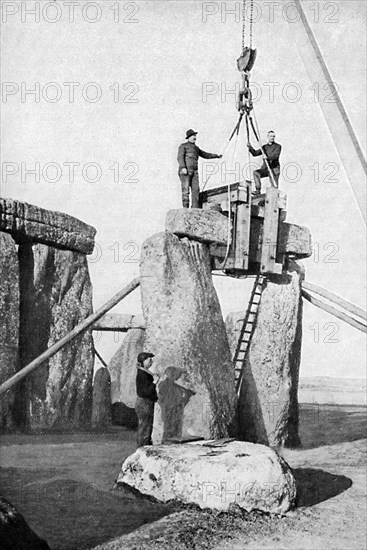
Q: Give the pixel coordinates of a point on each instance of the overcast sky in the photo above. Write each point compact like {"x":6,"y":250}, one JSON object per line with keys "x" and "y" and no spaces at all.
{"x":118,"y":84}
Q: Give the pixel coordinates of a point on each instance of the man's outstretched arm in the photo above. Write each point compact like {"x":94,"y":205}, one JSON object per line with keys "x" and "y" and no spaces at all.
{"x":206,"y":155}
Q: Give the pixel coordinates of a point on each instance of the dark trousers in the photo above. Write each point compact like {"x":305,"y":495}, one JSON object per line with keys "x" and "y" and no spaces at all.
{"x":187,"y":182}
{"x":263,"y":173}
{"x":144,"y":409}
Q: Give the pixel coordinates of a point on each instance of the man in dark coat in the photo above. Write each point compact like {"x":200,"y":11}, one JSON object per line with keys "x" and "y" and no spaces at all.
{"x":146,"y":398}
{"x":188,"y":155}
{"x":272,"y":151}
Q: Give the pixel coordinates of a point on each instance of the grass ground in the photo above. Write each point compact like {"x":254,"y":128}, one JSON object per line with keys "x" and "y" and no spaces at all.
{"x":64,"y":486}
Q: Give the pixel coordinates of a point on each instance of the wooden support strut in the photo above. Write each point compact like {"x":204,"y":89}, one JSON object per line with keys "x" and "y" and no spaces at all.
{"x":339,"y":314}
{"x":348,"y":306}
{"x":79,"y":329}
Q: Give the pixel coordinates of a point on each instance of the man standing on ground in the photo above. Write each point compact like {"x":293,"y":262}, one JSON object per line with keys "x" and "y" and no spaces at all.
{"x":272,"y":151}
{"x":188,"y":155}
{"x":146,"y":398}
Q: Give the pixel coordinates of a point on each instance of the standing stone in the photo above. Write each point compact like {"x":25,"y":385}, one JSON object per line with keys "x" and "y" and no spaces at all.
{"x":9,"y":324}
{"x":268,"y":405}
{"x":123,"y":365}
{"x":56,"y":295}
{"x":101,"y":411}
{"x":185,"y":330}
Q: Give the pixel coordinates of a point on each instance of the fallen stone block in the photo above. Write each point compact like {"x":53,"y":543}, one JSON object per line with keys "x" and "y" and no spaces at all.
{"x":253,"y":477}
{"x":205,"y":226}
{"x":15,"y":533}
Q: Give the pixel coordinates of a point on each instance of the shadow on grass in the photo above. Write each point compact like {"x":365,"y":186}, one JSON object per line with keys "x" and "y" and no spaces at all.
{"x":79,"y":516}
{"x":315,"y":486}
{"x":330,"y":424}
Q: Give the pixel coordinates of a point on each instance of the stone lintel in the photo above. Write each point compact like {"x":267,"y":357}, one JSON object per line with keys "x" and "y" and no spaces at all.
{"x":205,"y":226}
{"x":26,"y":222}
{"x":295,"y":240}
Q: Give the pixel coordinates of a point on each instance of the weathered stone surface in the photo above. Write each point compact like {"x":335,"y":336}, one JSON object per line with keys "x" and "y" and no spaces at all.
{"x":15,"y":533}
{"x":186,"y":332}
{"x":123,"y":366}
{"x":101,"y":409}
{"x":26,"y":221}
{"x":251,"y":476}
{"x":9,"y":323}
{"x":295,"y":240}
{"x":268,"y":404}
{"x":56,"y":295}
{"x":206,"y":226}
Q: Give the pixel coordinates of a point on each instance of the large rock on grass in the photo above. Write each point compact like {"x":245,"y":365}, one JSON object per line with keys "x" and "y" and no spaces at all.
{"x":250,"y":476}
{"x":186,"y":332}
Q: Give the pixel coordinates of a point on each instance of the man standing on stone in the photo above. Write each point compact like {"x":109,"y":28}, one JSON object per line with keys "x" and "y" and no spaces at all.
{"x":146,"y":398}
{"x":272,"y":151}
{"x":188,"y":155}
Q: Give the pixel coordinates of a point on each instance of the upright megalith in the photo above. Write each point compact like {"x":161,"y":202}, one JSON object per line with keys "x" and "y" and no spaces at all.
{"x":9,"y":324}
{"x":101,"y":411}
{"x":47,"y":292}
{"x":186,"y":332}
{"x":123,"y":365}
{"x":268,"y":405}
{"x":122,"y":368}
{"x":56,"y":295}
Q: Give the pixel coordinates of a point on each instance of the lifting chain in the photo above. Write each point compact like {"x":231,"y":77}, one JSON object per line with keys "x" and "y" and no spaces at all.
{"x":244,"y":23}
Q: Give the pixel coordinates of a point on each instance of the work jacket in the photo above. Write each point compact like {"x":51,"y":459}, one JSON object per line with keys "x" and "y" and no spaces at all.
{"x":145,"y":386}
{"x":188,"y":154}
{"x":272,"y":151}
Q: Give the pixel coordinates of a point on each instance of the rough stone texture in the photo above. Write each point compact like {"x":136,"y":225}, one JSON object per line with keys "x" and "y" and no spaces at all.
{"x":9,"y":324}
{"x":56,"y":295}
{"x":295,"y":240}
{"x":26,"y":221}
{"x":268,"y":403}
{"x":186,"y":332}
{"x":206,"y":226}
{"x":101,"y":409}
{"x":123,"y":365}
{"x":251,"y":476}
{"x":15,"y":533}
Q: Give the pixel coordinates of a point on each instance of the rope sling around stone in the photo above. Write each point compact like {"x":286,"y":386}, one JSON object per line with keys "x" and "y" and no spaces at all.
{"x":79,"y":329}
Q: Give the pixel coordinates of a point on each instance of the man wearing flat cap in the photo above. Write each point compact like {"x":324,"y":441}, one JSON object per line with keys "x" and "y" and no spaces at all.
{"x":188,"y":155}
{"x":146,"y":398}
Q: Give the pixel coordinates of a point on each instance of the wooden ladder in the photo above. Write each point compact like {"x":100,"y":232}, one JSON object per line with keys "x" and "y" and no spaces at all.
{"x":247,"y":330}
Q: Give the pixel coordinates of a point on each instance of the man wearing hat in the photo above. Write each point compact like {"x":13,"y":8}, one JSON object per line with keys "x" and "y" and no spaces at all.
{"x":146,"y":398}
{"x":188,"y":155}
